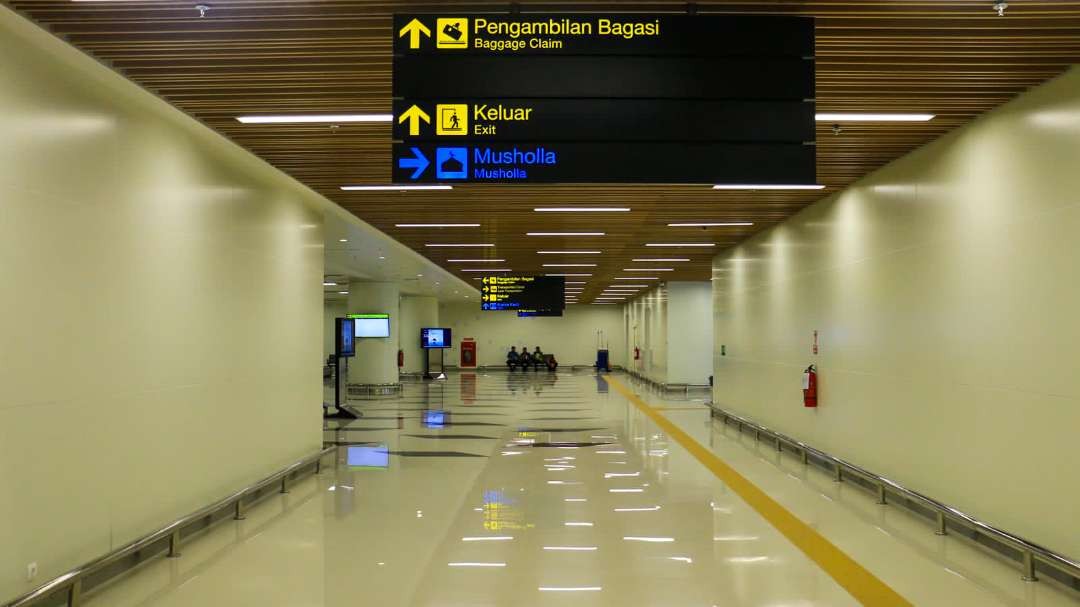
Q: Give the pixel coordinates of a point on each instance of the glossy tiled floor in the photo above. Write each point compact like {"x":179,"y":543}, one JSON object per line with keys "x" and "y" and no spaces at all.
{"x":537,"y":489}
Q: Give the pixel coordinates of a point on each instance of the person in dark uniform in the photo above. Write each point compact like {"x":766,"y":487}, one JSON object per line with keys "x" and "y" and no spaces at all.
{"x":512,"y":358}
{"x":538,"y":359}
{"x":525,"y":359}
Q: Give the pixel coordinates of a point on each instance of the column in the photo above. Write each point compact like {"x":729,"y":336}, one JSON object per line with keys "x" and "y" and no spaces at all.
{"x":376,"y":357}
{"x":417,"y":312}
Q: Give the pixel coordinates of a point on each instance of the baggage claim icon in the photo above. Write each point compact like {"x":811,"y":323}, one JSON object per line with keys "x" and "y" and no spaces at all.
{"x":452,"y":32}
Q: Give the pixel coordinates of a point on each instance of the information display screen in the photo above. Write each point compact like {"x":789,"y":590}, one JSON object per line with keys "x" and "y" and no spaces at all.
{"x":371,"y":325}
{"x":432,"y":338}
{"x":345,"y":333}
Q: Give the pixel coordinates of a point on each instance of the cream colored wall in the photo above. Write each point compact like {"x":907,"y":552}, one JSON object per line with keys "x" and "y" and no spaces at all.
{"x":944,"y":289}
{"x":160,"y":314}
{"x":572,"y":337}
{"x":648,"y":330}
{"x":689,"y":332}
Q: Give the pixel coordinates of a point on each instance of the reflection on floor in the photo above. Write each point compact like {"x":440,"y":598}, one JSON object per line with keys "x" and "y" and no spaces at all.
{"x":537,"y":489}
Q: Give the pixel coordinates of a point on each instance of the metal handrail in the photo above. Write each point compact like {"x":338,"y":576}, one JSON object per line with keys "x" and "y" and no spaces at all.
{"x":72,"y":580}
{"x":1030,"y":552}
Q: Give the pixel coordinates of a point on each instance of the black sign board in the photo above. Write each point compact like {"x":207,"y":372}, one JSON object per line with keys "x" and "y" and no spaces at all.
{"x":522,"y":292}
{"x":597,"y":34}
{"x":559,"y":120}
{"x":603,"y":99}
{"x":528,"y":313}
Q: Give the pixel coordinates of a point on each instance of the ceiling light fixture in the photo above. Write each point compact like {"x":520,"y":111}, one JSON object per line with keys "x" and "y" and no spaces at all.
{"x":569,"y":265}
{"x":851,"y":117}
{"x":314,"y":118}
{"x":569,"y":252}
{"x":436,"y":225}
{"x":581,"y":209}
{"x":393,"y":188}
{"x":681,"y":244}
{"x":626,"y":285}
{"x":475,"y":260}
{"x":727,"y":224}
{"x":487,"y":270}
{"x":564,"y":233}
{"x":646,"y":259}
{"x":329,"y":284}
{"x":636,"y":278}
{"x":488,"y":538}
{"x":458,"y":245}
{"x":648,"y":269}
{"x":567,"y":274}
{"x":768,"y":186}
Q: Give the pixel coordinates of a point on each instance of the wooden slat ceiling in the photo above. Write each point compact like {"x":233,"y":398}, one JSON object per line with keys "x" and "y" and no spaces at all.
{"x":953,"y":58}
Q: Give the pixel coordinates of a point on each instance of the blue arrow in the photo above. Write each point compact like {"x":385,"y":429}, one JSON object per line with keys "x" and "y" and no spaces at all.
{"x":418,"y":162}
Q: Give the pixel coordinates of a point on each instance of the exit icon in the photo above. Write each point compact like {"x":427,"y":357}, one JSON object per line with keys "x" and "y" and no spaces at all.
{"x":452,"y":119}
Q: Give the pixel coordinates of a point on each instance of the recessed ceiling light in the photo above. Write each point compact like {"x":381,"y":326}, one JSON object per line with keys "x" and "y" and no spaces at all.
{"x":488,"y":270}
{"x":436,"y":225}
{"x":475,"y":260}
{"x":458,"y":245}
{"x":710,"y":225}
{"x":681,"y":244}
{"x":343,"y":292}
{"x":564,"y":233}
{"x":392,"y":188}
{"x":661,"y":259}
{"x":569,"y":252}
{"x":824,"y":117}
{"x":314,"y":118}
{"x":567,"y":274}
{"x":329,"y":284}
{"x":581,"y":209}
{"x":569,"y":265}
{"x":343,"y":240}
{"x":419,"y":275}
{"x":382,"y":257}
{"x":632,"y":538}
{"x":770,"y":186}
{"x":648,"y":269}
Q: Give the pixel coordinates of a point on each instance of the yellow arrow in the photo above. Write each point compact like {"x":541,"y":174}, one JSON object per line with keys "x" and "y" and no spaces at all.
{"x":414,"y":115}
{"x":413,"y":29}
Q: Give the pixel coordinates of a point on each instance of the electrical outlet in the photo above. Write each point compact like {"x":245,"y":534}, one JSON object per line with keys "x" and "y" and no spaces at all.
{"x":31,"y":572}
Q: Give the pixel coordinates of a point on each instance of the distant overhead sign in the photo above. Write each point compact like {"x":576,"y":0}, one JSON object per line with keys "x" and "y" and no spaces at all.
{"x":500,"y":292}
{"x":603,"y":99}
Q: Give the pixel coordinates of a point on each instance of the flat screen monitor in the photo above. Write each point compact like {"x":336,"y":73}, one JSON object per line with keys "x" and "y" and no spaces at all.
{"x":345,"y":334}
{"x":371,"y":325}
{"x":368,"y":456}
{"x":434,"y":338}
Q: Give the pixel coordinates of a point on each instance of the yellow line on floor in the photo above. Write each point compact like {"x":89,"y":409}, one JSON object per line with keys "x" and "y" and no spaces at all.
{"x":863,"y":585}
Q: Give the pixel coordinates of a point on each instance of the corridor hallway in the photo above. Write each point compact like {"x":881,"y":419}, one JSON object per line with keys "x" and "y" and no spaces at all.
{"x":500,"y":489}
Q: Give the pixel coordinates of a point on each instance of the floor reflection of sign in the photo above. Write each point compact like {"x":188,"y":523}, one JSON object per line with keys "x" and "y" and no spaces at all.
{"x":452,"y":32}
{"x":452,"y":119}
{"x":451,"y":163}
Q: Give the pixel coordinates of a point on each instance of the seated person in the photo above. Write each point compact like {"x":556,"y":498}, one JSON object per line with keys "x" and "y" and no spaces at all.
{"x":525,"y":359}
{"x":538,"y":359}
{"x":512,"y":358}
{"x":552,"y":364}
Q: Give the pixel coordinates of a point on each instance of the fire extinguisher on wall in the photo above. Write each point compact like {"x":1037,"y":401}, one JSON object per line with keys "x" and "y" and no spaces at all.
{"x":400,"y":358}
{"x":637,"y":353}
{"x":809,"y":387}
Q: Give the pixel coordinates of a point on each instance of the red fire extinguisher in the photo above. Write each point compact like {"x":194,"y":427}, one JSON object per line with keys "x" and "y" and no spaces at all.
{"x":401,"y":358}
{"x":637,"y":353}
{"x":809,"y":387}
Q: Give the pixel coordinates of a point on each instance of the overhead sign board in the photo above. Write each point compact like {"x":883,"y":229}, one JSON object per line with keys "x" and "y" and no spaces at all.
{"x":500,"y":292}
{"x":603,"y":99}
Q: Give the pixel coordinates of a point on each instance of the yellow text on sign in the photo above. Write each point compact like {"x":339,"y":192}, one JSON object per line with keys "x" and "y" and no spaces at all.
{"x":452,"y":32}
{"x":452,"y":119}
